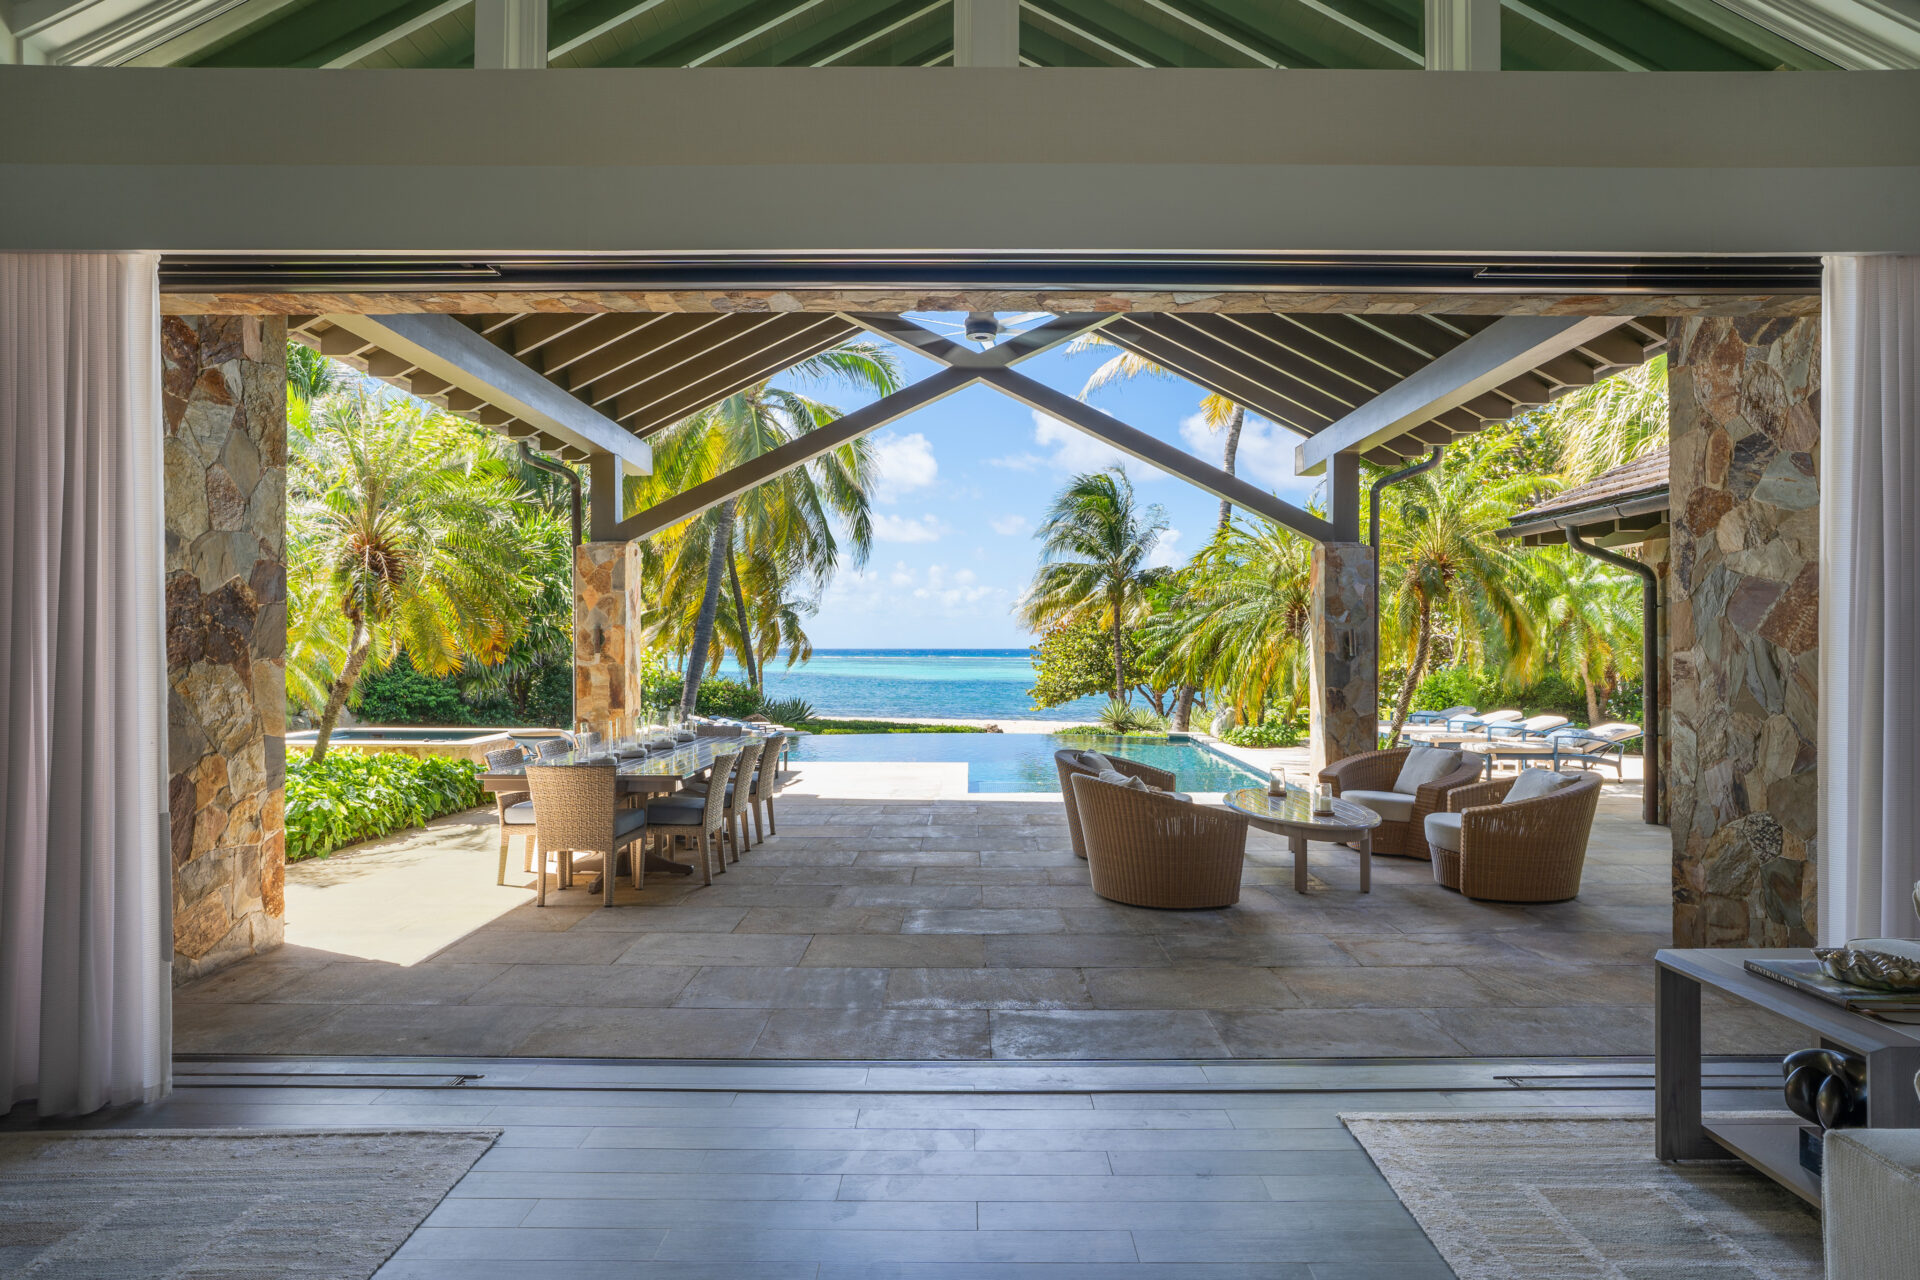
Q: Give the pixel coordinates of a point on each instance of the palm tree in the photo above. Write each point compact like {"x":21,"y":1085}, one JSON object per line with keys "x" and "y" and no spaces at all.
{"x":790,"y":519}
{"x":1587,"y":617}
{"x":1614,"y":421}
{"x":1095,"y":545}
{"x":1218,"y":412}
{"x":1239,"y":627}
{"x":310,"y":375}
{"x":1442,"y":565}
{"x":419,"y":549}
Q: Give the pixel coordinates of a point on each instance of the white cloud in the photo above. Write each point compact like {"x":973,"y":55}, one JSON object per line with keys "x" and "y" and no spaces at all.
{"x":1018,"y":462}
{"x":905,"y":463}
{"x":955,"y":588}
{"x":1011,"y":526}
{"x":1166,"y":552}
{"x":892,"y":528}
{"x":1265,"y":456}
{"x":1073,"y":450}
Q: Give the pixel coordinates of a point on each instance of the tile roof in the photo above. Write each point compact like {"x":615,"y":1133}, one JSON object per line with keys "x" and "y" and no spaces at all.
{"x":1644,"y":477}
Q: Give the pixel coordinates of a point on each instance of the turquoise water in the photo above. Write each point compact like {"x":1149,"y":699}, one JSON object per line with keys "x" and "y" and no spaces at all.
{"x":976,"y":684}
{"x":1024,"y":761}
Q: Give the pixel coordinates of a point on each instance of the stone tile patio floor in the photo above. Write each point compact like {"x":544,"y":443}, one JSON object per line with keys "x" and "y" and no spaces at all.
{"x":947,"y":929}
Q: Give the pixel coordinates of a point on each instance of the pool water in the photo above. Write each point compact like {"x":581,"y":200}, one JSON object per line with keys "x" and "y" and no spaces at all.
{"x":1024,"y":761}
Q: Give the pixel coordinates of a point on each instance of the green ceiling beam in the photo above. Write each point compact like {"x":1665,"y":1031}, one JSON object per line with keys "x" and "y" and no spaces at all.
{"x":718,"y":23}
{"x":864,"y":27}
{"x":1114,"y":32}
{"x":316,"y":34}
{"x":573,"y":24}
{"x":1647,"y":36}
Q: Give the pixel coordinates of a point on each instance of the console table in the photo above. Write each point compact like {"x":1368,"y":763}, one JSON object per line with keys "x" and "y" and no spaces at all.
{"x":1681,"y":1132}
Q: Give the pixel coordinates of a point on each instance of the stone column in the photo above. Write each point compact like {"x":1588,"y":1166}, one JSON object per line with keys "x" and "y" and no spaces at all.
{"x":1344,"y":668}
{"x":600,"y":615}
{"x":224,"y":388}
{"x":1744,"y":629}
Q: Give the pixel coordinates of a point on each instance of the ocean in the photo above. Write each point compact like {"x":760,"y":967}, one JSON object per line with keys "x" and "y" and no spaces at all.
{"x":974,"y":684}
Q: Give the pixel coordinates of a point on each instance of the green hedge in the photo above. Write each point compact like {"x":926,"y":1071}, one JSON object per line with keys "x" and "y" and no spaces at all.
{"x":352,"y":796}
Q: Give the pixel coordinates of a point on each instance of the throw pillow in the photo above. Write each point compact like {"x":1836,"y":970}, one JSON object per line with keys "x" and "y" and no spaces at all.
{"x":1095,"y":761}
{"x":1534,"y":783}
{"x":1424,"y":765}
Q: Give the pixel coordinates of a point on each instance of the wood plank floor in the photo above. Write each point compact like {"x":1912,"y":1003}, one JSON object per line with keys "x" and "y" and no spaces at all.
{"x":910,"y":1171}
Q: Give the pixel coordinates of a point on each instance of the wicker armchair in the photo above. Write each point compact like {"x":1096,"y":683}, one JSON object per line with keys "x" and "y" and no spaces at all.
{"x":513,"y":809}
{"x":1150,"y":850}
{"x":577,"y":815}
{"x":1067,"y":762}
{"x":1376,"y":771}
{"x":1527,"y":851}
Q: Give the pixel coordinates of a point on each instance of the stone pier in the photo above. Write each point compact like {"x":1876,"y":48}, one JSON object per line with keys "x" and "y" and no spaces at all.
{"x":224,"y":396}
{"x":606,"y":630}
{"x":1344,"y":692}
{"x":1744,"y":629}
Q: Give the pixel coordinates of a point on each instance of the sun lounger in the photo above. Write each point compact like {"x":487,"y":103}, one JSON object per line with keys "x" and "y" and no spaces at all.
{"x":1598,"y":745}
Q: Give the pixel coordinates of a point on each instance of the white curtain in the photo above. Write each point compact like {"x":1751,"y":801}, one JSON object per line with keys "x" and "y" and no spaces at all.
{"x":1869,"y":850}
{"x":85,"y":939}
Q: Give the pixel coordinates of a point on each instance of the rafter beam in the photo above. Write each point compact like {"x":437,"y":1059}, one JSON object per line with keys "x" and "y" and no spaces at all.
{"x":443,"y":348}
{"x":396,"y":33}
{"x":586,"y":23}
{"x":1509,"y":348}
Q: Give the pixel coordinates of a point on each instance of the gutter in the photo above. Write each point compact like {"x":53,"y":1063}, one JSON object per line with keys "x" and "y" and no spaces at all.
{"x":1649,"y":665}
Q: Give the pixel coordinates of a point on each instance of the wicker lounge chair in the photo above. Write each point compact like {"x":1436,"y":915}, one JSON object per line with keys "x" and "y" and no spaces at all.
{"x":1069,"y":766}
{"x":1528,"y":850}
{"x":1149,"y":849}
{"x":578,"y":816}
{"x":1402,"y":814}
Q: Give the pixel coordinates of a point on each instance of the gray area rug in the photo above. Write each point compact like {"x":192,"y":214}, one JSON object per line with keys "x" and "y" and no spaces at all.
{"x":1546,"y":1196}
{"x":207,"y":1203}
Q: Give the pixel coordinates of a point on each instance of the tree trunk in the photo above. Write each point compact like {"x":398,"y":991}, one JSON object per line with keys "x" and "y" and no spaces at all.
{"x":357,"y":649}
{"x":1593,"y":700}
{"x":748,"y":658}
{"x":1234,"y":423}
{"x":719,"y":550}
{"x":1422,"y":641}
{"x":1119,"y":650}
{"x":1183,"y":707}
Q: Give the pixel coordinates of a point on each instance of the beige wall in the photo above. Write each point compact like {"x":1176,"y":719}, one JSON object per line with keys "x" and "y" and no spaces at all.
{"x":977,"y":158}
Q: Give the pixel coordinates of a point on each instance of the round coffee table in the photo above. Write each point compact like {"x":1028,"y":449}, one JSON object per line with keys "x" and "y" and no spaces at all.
{"x":1292,"y":816}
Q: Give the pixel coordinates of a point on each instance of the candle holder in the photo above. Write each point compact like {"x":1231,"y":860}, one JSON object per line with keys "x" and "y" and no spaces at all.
{"x":1323,"y":800}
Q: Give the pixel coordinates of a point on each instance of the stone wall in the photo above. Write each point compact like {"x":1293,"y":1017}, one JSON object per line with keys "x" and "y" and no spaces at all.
{"x":1744,"y":629}
{"x":1344,"y":693}
{"x":606,"y":631}
{"x":224,"y":388}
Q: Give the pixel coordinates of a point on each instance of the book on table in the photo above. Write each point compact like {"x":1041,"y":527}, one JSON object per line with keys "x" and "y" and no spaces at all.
{"x":1807,"y":976}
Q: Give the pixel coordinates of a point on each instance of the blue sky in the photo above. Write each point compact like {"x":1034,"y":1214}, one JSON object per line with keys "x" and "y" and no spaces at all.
{"x":967,"y":479}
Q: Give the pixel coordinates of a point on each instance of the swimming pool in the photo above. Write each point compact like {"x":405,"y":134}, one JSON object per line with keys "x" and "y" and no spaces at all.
{"x":1024,"y":761}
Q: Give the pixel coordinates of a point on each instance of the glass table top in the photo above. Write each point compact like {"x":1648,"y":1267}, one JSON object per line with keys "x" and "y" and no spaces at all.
{"x":1295,"y":808}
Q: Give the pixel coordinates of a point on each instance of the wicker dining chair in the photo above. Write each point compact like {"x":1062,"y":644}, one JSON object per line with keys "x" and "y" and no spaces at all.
{"x":1069,"y":766}
{"x":1529,"y":850}
{"x":1148,"y":849}
{"x":577,"y":816}
{"x":764,"y":786}
{"x":740,"y":796}
{"x":514,"y":810}
{"x":552,"y":748}
{"x":697,"y":817}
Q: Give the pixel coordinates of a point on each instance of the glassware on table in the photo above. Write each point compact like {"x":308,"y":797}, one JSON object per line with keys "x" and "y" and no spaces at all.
{"x":1323,"y":799}
{"x":1277,"y":782}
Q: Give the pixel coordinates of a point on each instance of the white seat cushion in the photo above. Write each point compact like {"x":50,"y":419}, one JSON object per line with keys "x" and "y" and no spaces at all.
{"x":1534,"y":783}
{"x":1394,"y":806}
{"x":1423,"y":765}
{"x":520,"y":814}
{"x":1443,"y":831}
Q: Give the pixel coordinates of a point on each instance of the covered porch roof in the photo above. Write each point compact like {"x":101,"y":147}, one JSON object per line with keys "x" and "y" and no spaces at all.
{"x":1618,"y":508}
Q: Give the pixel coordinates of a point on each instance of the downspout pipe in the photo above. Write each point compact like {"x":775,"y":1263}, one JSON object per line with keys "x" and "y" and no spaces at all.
{"x":1649,"y":664}
{"x":568,"y":474}
{"x":1373,"y":539}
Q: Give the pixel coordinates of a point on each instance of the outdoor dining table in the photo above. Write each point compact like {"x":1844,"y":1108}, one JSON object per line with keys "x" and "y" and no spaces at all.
{"x":656,"y":773}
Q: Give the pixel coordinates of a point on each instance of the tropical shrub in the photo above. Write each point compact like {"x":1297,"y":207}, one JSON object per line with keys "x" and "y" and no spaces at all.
{"x":1074,"y":659}
{"x":1628,"y":703}
{"x":349,"y":796}
{"x":401,"y":695}
{"x":788,"y":711}
{"x":1276,"y":729}
{"x":1454,"y":687}
{"x":1121,"y":717}
{"x":719,"y":696}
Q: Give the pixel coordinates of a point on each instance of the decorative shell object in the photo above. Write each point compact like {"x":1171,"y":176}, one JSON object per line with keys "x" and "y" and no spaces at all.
{"x":1875,"y":970}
